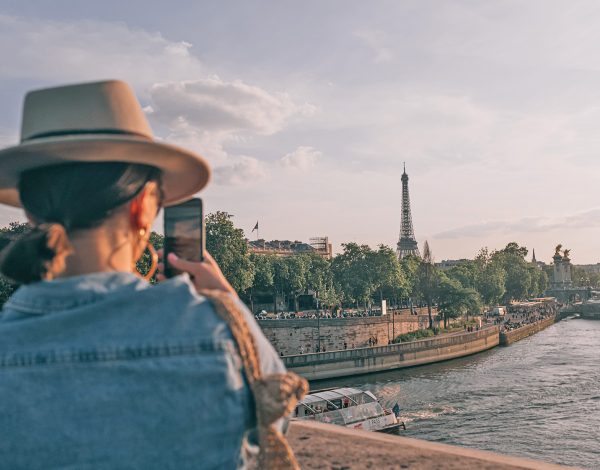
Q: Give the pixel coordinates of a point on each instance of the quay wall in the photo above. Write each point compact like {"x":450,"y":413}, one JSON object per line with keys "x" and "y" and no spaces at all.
{"x":509,"y":337}
{"x":293,"y":335}
{"x":327,"y":365}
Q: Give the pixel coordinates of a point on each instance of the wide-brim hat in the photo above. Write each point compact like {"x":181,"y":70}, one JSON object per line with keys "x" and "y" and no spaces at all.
{"x":95,"y":122}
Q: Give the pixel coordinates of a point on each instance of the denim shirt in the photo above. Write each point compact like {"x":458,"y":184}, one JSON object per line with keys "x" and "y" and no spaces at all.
{"x":105,"y":371}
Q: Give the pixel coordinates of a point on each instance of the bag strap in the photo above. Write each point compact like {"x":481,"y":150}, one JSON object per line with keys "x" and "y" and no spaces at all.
{"x":275,"y":395}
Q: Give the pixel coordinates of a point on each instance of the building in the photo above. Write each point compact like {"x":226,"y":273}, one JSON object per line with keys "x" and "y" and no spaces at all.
{"x":589,"y":268}
{"x":317,"y":245}
{"x":450,"y":263}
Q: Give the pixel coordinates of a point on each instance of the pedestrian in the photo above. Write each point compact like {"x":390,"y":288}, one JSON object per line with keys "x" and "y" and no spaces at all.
{"x":345,"y":345}
{"x":302,"y":349}
{"x":115,"y":355}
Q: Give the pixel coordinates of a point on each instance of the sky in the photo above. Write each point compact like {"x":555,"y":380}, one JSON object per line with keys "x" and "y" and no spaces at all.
{"x":307,"y":110}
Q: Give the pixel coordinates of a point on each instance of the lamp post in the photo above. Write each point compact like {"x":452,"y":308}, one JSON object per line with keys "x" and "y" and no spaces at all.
{"x":318,"y":326}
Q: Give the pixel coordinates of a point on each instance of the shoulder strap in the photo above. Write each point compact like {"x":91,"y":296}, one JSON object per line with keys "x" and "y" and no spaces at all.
{"x":275,"y":395}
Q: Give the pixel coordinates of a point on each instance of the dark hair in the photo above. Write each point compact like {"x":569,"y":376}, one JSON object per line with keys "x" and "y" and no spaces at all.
{"x":64,"y":198}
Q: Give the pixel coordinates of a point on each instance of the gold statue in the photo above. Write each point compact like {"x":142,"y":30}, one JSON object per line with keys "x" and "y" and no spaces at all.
{"x":558,"y":247}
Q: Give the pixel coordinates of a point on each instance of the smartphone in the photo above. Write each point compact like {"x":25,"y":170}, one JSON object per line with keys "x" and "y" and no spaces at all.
{"x":184,"y":233}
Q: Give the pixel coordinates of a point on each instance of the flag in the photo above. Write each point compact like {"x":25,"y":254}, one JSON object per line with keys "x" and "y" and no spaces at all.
{"x":255,"y":227}
{"x":396,"y":410}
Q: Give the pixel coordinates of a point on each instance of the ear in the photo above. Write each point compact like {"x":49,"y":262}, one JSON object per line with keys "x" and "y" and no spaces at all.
{"x":144,"y":207}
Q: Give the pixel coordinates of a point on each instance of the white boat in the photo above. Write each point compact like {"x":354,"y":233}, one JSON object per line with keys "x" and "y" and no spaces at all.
{"x":348,"y":407}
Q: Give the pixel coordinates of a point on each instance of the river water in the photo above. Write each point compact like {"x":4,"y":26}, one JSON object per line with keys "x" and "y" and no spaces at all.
{"x":538,"y":398}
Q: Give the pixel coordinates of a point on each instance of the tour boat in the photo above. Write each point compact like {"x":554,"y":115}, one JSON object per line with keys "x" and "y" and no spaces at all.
{"x":348,"y":407}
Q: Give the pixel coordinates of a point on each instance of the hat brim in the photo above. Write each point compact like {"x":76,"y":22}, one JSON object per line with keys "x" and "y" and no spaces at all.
{"x":184,"y":173}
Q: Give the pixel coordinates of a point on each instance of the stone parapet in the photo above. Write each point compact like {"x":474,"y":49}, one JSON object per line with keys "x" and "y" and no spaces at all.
{"x":324,"y":446}
{"x":292,"y":336}
{"x":394,"y":356}
{"x":509,"y":337}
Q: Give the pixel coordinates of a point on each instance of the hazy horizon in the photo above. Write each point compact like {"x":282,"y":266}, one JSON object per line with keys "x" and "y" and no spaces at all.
{"x":307,"y":111}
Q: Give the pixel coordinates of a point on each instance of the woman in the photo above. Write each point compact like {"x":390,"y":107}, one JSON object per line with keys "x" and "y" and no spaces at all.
{"x":99,"y":369}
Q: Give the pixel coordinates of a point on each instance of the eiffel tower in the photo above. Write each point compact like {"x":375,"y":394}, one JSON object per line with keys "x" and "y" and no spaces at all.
{"x":407,"y":245}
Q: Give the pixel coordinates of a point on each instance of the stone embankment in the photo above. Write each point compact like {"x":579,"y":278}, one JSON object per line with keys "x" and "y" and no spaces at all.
{"x":325,"y":446}
{"x":292,"y":336}
{"x":512,"y":336}
{"x":327,"y":365}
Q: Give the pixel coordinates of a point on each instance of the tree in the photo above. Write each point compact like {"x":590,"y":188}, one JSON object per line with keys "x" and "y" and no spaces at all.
{"x":466,"y":273}
{"x":455,"y":300}
{"x":389,"y":279}
{"x":490,"y":283}
{"x":427,"y":280}
{"x":8,"y":234}
{"x":229,"y":248}
{"x":354,"y":273}
{"x":264,"y":276}
{"x":410,"y":267}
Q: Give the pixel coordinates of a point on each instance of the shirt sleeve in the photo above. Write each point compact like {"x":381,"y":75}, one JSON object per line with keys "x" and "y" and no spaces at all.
{"x":270,"y":363}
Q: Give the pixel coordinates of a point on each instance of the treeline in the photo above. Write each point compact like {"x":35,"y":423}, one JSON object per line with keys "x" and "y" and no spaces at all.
{"x":360,"y":276}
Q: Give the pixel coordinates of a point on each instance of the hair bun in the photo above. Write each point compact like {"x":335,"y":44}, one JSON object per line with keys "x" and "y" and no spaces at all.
{"x":37,"y":255}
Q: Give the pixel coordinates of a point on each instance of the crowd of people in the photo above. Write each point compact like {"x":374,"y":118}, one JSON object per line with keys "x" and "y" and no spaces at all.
{"x":520,"y":315}
{"x":313,"y":314}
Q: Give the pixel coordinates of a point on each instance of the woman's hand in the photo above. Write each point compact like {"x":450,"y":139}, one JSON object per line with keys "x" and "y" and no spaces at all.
{"x":204,"y":275}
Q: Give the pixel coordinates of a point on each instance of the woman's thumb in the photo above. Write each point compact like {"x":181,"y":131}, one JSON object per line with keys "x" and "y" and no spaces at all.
{"x":181,"y":264}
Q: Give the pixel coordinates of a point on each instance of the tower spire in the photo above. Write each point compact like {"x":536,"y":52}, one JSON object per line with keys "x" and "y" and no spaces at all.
{"x":407,"y":245}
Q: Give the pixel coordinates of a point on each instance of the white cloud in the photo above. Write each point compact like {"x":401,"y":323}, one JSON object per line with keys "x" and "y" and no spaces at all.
{"x":581,"y":220}
{"x":91,"y":50}
{"x":216,"y":105}
{"x":209,"y":113}
{"x":241,"y":170}
{"x":301,"y":159}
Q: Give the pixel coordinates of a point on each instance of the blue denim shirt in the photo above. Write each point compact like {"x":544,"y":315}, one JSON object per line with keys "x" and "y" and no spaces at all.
{"x":104,"y":371}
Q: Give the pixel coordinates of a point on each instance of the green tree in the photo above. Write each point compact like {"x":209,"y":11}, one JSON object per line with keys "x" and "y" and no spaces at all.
{"x":518,"y":280}
{"x":410,"y":267}
{"x":229,"y":248}
{"x":491,"y":282}
{"x":264,"y":276}
{"x":466,"y":273}
{"x":427,"y":280}
{"x":454,"y":300}
{"x":353,"y":272}
{"x":389,"y":279}
{"x":8,"y":234}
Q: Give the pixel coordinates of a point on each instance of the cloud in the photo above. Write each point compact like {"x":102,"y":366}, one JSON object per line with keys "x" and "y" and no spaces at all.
{"x":208,"y":114}
{"x":375,"y":40}
{"x":91,"y":50}
{"x":213,"y":104}
{"x":581,"y":220}
{"x":302,"y":159}
{"x":241,"y":170}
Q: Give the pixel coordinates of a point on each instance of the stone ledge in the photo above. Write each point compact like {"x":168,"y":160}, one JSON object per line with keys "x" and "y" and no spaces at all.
{"x":325,"y":446}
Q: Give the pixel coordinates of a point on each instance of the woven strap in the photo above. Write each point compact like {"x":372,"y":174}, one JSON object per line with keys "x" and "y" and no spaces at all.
{"x":275,"y":395}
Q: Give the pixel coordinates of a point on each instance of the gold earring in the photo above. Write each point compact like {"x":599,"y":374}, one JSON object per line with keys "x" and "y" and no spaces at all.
{"x":153,"y":258}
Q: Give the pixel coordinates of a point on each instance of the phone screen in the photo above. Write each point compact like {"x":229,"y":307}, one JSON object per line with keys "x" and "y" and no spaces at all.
{"x":184,"y":233}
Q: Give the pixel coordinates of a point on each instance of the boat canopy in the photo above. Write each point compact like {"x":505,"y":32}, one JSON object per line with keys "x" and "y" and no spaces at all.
{"x":354,"y":395}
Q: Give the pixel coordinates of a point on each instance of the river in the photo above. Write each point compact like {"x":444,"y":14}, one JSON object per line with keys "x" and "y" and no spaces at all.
{"x":538,"y":398}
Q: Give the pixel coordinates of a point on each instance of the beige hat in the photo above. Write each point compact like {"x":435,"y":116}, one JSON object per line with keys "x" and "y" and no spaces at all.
{"x":95,"y":122}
